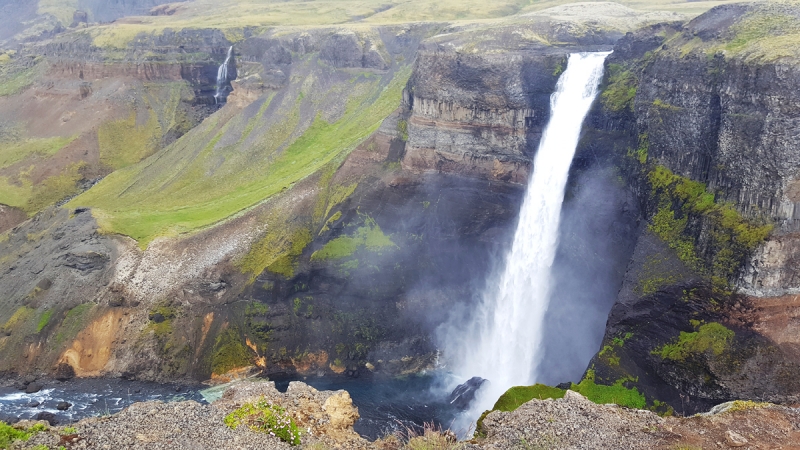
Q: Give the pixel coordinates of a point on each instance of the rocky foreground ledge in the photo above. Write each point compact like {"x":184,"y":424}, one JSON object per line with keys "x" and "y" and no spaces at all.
{"x":321,"y":420}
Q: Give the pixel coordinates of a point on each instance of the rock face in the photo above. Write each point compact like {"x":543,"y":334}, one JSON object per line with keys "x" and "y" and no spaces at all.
{"x":478,"y":101}
{"x":683,"y":104}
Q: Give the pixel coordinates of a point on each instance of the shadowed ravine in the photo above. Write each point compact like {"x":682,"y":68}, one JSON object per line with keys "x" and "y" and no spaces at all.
{"x":504,"y":338}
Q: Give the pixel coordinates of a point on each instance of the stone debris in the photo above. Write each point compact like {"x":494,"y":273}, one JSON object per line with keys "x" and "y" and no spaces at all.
{"x":735,"y":439}
{"x":326,"y":419}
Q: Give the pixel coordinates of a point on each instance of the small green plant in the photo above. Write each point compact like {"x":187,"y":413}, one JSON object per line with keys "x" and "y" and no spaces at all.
{"x":265,"y":417}
{"x":431,"y":437}
{"x":9,"y":434}
{"x":69,"y":430}
{"x":558,"y":70}
{"x":297,"y":305}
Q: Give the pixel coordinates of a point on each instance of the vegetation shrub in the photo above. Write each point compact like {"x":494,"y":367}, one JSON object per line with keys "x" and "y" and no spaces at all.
{"x":265,"y":417}
{"x":9,"y":434}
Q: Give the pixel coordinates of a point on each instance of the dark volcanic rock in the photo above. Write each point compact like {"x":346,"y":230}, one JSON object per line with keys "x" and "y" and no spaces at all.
{"x":47,"y":416}
{"x":157,"y":317}
{"x":64,"y":372}
{"x":709,"y":117}
{"x":63,"y":406}
{"x":463,"y":394}
{"x":79,"y":17}
{"x":33,"y":388}
{"x":85,"y":262}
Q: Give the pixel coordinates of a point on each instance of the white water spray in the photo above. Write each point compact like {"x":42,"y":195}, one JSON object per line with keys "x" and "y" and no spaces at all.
{"x":222,"y":75}
{"x":503,"y":342}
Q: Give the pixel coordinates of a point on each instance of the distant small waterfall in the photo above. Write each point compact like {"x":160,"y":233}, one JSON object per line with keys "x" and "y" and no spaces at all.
{"x":222,"y":76}
{"x":503,"y":341}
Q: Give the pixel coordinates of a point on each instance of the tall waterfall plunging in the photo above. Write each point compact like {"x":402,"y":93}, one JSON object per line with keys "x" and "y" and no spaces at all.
{"x":503,"y":341}
{"x":222,"y":76}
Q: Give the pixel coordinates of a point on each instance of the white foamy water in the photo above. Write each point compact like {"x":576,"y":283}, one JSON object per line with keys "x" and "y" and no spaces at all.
{"x":503,"y":341}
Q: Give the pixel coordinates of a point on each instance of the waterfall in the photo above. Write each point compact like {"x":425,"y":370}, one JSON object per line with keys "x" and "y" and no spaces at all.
{"x":222,"y":76}
{"x":503,"y":341}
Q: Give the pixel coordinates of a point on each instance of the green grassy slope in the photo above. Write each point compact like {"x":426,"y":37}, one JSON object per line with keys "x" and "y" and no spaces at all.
{"x":233,"y":16}
{"x":765,"y":34}
{"x":226,"y":165}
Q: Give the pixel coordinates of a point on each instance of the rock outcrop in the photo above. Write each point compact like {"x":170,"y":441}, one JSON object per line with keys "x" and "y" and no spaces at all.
{"x":326,"y":419}
{"x":699,"y":118}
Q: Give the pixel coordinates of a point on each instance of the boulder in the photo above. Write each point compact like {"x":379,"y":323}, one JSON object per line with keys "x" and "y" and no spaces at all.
{"x":64,"y":372}
{"x":33,"y":388}
{"x":48,"y":417}
{"x":463,"y":394}
{"x":735,"y":439}
{"x":63,"y":406}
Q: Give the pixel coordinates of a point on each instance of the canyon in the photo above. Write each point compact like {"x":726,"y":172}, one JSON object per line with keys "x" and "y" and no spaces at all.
{"x":349,"y":200}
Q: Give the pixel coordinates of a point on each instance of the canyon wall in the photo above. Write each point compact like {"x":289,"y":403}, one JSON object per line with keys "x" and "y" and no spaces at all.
{"x":700,"y":119}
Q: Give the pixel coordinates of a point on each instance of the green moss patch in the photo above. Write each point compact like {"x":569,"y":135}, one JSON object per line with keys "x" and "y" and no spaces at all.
{"x":277,"y":251}
{"x":617,"y":393}
{"x":601,"y":394}
{"x":713,"y":337}
{"x":23,"y":194}
{"x":161,"y":317}
{"x":20,"y":317}
{"x":44,"y":319}
{"x":369,"y":237}
{"x":74,"y":321}
{"x":15,"y":81}
{"x":9,"y":434}
{"x":265,"y":417}
{"x":230,"y":352}
{"x":517,"y":395}
{"x":123,"y":143}
{"x":620,"y":89}
{"x":733,"y":237}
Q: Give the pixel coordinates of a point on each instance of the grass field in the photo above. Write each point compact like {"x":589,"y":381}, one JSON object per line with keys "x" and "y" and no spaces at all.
{"x":233,"y":16}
